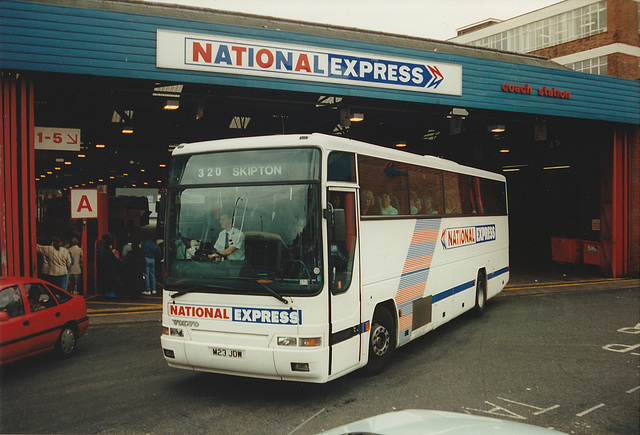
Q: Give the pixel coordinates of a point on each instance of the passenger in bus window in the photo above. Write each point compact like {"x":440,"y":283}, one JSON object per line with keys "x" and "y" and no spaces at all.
{"x":387,"y":208}
{"x":450,"y":207}
{"x":369,"y":206}
{"x":193,"y":247}
{"x":181,"y":248}
{"x":415,"y":203}
{"x":428,"y":206}
{"x":230,"y":243}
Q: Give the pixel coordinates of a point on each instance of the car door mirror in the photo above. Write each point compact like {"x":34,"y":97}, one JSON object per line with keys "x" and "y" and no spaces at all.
{"x":4,"y":316}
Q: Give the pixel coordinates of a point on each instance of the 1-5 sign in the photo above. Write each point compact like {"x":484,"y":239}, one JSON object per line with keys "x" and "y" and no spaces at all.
{"x":54,"y":138}
{"x":84,"y":203}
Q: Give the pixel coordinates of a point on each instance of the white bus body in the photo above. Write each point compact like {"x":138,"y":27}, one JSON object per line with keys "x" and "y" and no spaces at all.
{"x":329,"y":282}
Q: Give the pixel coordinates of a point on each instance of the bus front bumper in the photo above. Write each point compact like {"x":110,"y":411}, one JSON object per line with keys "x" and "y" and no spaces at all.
{"x":308,"y":364}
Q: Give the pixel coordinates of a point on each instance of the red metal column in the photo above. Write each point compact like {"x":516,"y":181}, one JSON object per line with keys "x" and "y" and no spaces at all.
{"x":620,"y":205}
{"x":33,"y":257}
{"x":17,"y":184}
{"x":4,"y":108}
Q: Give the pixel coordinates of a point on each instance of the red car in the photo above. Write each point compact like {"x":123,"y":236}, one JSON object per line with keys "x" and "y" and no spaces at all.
{"x":36,"y":316}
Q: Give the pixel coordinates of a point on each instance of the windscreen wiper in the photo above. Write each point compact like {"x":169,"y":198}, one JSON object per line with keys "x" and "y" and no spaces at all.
{"x":272,"y":292}
{"x":198,"y":289}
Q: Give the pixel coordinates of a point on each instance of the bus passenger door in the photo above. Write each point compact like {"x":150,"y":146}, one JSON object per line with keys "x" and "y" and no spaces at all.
{"x":344,"y":280}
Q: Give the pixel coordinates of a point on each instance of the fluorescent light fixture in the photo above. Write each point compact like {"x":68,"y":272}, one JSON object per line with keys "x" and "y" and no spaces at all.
{"x":497,"y":128}
{"x":100,"y":145}
{"x":505,"y":150}
{"x":511,"y":170}
{"x":356,"y":117}
{"x":172,"y":105}
{"x":458,"y":111}
{"x":127,"y":130}
{"x":167,"y":90}
{"x":401,"y":144}
{"x":240,"y":122}
{"x":557,"y":167}
{"x":82,"y":156}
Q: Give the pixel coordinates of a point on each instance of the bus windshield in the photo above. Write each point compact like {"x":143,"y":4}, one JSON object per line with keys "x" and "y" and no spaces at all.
{"x":252,"y":237}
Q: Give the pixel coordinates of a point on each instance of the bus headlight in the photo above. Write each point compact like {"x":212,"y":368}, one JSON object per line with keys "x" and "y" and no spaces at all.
{"x":174,"y":332}
{"x":287,"y":341}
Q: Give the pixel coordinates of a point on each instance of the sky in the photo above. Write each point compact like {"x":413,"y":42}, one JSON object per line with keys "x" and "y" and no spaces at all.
{"x":435,"y":19}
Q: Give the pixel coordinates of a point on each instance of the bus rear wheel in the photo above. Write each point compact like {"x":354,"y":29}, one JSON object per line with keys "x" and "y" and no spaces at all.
{"x":382,"y":341}
{"x":481,"y":295}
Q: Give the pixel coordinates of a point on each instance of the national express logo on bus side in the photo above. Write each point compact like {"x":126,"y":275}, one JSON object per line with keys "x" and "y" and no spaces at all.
{"x":466,"y":236}
{"x":237,"y":314}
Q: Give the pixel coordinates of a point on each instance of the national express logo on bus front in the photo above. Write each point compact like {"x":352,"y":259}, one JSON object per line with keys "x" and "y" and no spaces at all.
{"x":466,"y":236}
{"x":236,"y":314}
{"x":220,"y":54}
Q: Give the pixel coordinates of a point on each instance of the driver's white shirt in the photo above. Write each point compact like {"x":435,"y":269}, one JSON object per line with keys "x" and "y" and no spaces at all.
{"x":236,"y":239}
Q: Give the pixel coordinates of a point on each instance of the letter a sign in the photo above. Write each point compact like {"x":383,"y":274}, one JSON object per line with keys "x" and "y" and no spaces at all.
{"x":84,"y":203}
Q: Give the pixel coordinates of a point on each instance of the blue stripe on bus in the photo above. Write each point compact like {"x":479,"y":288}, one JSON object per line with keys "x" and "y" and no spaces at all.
{"x":465,"y":286}
{"x":498,"y":272}
{"x":452,"y":291}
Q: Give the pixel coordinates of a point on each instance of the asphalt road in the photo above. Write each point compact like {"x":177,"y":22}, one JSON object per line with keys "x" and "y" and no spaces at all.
{"x":567,"y":360}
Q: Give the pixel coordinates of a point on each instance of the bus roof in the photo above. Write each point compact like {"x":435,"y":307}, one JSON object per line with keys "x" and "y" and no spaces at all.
{"x":329,"y":142}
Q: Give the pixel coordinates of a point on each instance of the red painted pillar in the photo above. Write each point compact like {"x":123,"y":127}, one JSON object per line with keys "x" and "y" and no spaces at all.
{"x":17,"y":178}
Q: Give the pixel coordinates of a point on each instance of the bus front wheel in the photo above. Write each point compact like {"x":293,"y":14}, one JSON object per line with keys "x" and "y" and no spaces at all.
{"x":382,"y":341}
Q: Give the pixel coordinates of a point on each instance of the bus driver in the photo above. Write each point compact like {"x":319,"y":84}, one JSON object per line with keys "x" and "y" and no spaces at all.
{"x":230,"y":243}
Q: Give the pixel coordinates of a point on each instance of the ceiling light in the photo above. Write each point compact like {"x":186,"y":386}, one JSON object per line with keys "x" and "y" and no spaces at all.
{"x":127,"y":130}
{"x":172,"y":105}
{"x":162,"y":165}
{"x":401,"y":144}
{"x":240,"y":122}
{"x":557,"y":167}
{"x":167,"y":90}
{"x":356,"y":117}
{"x":82,"y":156}
{"x":504,"y":150}
{"x":511,"y":170}
{"x":497,"y":128}
{"x":457,"y":111}
{"x":100,"y":145}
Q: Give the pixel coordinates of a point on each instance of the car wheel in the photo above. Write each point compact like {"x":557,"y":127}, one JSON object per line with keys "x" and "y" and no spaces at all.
{"x":382,"y":341}
{"x":481,"y":295}
{"x":66,"y":345}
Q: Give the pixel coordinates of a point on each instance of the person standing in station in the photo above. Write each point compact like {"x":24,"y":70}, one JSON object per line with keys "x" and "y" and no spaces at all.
{"x":57,"y":261}
{"x":152,"y":252}
{"x":75,"y":277}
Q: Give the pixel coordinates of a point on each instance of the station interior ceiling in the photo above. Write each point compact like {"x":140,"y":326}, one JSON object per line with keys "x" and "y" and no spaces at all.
{"x":553,"y":181}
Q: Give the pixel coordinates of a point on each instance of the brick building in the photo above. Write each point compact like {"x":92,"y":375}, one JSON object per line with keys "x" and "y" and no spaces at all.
{"x":593,"y":36}
{"x":599,"y":37}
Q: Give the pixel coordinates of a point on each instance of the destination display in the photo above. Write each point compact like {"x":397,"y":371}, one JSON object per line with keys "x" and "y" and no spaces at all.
{"x":247,"y":166}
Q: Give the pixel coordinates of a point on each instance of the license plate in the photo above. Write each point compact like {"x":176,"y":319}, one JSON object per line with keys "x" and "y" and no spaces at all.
{"x":227,"y":353}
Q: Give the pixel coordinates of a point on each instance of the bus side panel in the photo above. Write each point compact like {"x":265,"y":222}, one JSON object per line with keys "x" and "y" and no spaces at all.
{"x":432,"y":258}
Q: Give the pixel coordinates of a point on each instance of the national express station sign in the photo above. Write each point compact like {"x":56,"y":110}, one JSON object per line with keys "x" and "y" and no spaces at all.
{"x":225,"y":55}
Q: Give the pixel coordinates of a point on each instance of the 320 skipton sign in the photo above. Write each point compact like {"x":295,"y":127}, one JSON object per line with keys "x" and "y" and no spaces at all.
{"x":294,"y":62}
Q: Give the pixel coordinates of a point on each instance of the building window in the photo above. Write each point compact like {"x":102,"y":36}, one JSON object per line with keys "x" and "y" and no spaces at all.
{"x":597,"y":65}
{"x":568,"y":26}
